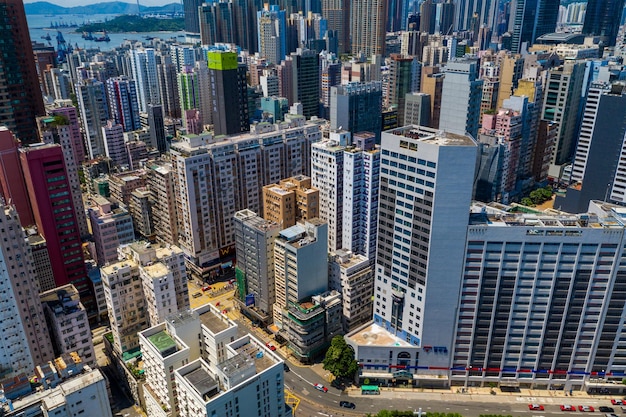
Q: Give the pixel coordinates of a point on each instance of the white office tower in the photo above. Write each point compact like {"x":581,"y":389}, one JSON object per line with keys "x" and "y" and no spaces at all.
{"x":254,"y":245}
{"x":300,"y":264}
{"x":68,"y":322}
{"x":542,"y":301}
{"x":461,"y":95}
{"x":214,"y":177}
{"x":327,"y":176}
{"x":144,"y":69}
{"x":352,"y":276}
{"x":361,"y":172}
{"x":24,"y":342}
{"x":596,"y":90}
{"x":426,"y":181}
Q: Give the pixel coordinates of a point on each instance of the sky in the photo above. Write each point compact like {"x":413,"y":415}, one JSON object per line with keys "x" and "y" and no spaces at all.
{"x":71,"y":3}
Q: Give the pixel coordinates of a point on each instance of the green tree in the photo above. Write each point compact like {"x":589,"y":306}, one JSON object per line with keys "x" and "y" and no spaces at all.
{"x":339,"y":359}
{"x":527,"y":202}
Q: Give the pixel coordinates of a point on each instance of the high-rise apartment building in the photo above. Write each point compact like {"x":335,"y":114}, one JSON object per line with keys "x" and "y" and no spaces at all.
{"x":41,"y":260}
{"x":361,"y":176}
{"x":300,"y":264}
{"x":216,"y":23}
{"x":460,"y":98}
{"x":21,"y":100}
{"x":166,"y":71}
{"x":111,"y":226}
{"x":426,"y":180}
{"x":76,"y":138}
{"x":254,"y":245}
{"x":59,"y":129}
{"x":125,"y":302}
{"x":272,"y":34}
{"x":114,"y":146}
{"x":291,"y":200}
{"x":141,"y":212}
{"x":163,"y":278}
{"x":511,"y":69}
{"x":229,"y":91}
{"x":352,"y":275}
{"x":49,"y":188}
{"x":398,"y":15}
{"x":357,"y":107}
{"x":68,"y":323}
{"x":368,"y":26}
{"x":25,"y":341}
{"x":94,"y":112}
{"x":203,"y":163}
{"x":192,"y":16}
{"x":327,"y":176}
{"x":123,"y":103}
{"x":337,"y":13}
{"x":144,"y":69}
{"x":561,"y":104}
{"x":160,"y":183}
{"x":471,"y":14}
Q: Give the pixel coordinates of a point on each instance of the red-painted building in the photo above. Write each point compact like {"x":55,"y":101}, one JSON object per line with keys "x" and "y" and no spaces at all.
{"x":55,"y":215}
{"x":12,"y":187}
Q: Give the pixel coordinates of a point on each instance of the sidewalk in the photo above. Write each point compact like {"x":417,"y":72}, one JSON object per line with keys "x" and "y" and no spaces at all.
{"x":484,"y":395}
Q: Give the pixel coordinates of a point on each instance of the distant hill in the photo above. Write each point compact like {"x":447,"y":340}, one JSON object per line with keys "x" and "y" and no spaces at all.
{"x":134,"y":23}
{"x":114,"y":7}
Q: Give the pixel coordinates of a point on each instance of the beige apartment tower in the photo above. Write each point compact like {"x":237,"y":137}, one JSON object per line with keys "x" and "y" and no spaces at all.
{"x":290,"y":200}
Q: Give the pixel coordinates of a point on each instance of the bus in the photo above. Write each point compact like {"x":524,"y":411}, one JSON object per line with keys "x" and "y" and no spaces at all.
{"x":370,"y":390}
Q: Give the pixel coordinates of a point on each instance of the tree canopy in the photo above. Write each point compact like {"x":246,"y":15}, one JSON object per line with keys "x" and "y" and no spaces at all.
{"x":339,"y":359}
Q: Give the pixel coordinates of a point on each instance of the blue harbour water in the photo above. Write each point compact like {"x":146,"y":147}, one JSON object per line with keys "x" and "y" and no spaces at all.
{"x":38,"y":26}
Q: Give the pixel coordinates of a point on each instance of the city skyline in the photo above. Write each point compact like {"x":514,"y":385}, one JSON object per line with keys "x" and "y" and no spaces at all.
{"x":436,"y":199}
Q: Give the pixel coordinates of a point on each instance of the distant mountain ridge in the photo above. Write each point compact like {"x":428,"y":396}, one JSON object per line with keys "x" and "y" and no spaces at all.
{"x":114,"y":7}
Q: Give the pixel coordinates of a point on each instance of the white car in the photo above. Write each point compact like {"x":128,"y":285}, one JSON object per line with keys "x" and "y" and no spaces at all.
{"x":320,"y":387}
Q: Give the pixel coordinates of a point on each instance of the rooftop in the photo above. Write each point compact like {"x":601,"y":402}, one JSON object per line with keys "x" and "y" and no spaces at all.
{"x":164,"y":343}
{"x":213,"y":322}
{"x":498,"y":215}
{"x":156,"y":270}
{"x":261,"y":360}
{"x":429,"y":135}
{"x":203,"y":382}
{"x":374,"y":335}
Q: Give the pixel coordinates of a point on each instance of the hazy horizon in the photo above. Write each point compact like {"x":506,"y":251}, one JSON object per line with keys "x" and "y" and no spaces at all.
{"x":72,"y":3}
